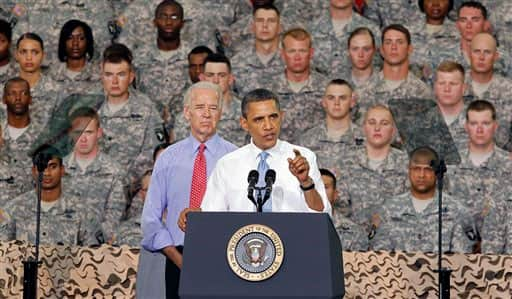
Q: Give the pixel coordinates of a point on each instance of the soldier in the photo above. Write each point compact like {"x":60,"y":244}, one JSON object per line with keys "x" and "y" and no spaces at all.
{"x":63,"y":222}
{"x":497,"y":227}
{"x":395,"y":80}
{"x":352,"y":236}
{"x":486,"y":84}
{"x":331,"y":33}
{"x":92,"y":175}
{"x":336,"y":135}
{"x":196,"y":59}
{"x":387,"y":12}
{"x":217,"y":70}
{"x":449,"y":88}
{"x":44,"y":90}
{"x":131,"y":123}
{"x":77,"y":72}
{"x":12,"y":182}
{"x":374,"y":171}
{"x":477,"y":179}
{"x":361,"y":52}
{"x":41,"y":18}
{"x":6,"y":62}
{"x":161,"y":64}
{"x":299,"y":86}
{"x":410,"y":219}
{"x":260,"y":64}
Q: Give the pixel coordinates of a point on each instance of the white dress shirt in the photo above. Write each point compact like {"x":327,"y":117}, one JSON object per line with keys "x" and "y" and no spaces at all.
{"x":227,"y":185}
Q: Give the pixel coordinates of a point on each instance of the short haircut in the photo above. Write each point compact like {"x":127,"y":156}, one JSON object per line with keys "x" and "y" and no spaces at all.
{"x":85,"y":112}
{"x":449,"y":66}
{"x":6,"y":29}
{"x":117,"y":53}
{"x":258,"y":95}
{"x":422,"y":154}
{"x":47,"y":150}
{"x":341,"y":82}
{"x":200,"y":50}
{"x":475,"y":5}
{"x":32,"y":36}
{"x":327,"y":172}
{"x":266,"y":6}
{"x":165,"y":3}
{"x":378,"y":107}
{"x":479,"y":106}
{"x":204,"y":85}
{"x":66,"y":32}
{"x":218,"y":58}
{"x":297,"y":33}
{"x":361,"y":31}
{"x":397,"y":27}
{"x":421,"y":4}
{"x":158,"y":148}
{"x":16,"y":80}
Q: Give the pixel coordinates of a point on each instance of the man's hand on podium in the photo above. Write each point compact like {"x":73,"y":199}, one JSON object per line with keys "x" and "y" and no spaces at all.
{"x":182,"y":220}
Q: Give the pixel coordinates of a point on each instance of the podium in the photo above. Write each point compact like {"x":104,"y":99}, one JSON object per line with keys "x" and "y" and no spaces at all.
{"x":261,"y":255}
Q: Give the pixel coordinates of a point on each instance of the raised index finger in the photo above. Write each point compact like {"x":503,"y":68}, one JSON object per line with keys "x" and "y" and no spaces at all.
{"x":297,"y":153}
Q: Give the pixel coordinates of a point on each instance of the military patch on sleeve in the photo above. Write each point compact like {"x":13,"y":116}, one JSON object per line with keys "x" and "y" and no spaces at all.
{"x":470,"y":233}
{"x":372,"y":232}
{"x":161,"y":134}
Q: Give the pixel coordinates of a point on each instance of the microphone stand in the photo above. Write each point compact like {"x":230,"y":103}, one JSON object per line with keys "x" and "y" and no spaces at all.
{"x":30,"y":265}
{"x":262,"y":201}
{"x":444,"y":273}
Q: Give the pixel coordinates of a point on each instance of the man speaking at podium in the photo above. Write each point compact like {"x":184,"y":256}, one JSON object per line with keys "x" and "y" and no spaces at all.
{"x":298,"y":186}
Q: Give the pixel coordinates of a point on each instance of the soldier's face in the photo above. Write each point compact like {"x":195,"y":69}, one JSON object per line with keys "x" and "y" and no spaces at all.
{"x":266,"y":25}
{"x":338,"y":101}
{"x":481,"y":128}
{"x":379,"y":128}
{"x":203,"y":113}
{"x":395,"y":50}
{"x":52,"y":174}
{"x":436,"y":9}
{"x":86,"y":133}
{"x":4,"y":47}
{"x":449,"y":88}
{"x":471,"y":22}
{"x":17,"y":98}
{"x":483,"y":54}
{"x":117,"y":78}
{"x":218,"y":73}
{"x":422,"y":177}
{"x":196,"y":66}
{"x":76,"y":44}
{"x":341,"y":4}
{"x":168,"y":22}
{"x":361,"y":51}
{"x":263,"y":122}
{"x":331,"y":192}
{"x":29,"y":55}
{"x":297,"y":54}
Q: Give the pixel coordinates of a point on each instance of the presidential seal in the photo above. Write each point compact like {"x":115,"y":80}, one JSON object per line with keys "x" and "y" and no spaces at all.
{"x":255,"y":252}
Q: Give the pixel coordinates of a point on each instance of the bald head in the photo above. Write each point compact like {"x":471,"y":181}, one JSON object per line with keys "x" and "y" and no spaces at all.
{"x":483,"y":38}
{"x":484,"y":54}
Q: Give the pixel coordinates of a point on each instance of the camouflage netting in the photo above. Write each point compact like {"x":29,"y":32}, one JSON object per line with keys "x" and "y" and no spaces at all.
{"x":107,"y":272}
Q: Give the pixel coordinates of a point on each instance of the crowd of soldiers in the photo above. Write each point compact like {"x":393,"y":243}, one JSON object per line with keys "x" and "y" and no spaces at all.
{"x":335,"y":70}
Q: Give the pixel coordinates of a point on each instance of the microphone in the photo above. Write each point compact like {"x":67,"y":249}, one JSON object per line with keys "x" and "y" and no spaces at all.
{"x":253,"y":177}
{"x":270,"y":177}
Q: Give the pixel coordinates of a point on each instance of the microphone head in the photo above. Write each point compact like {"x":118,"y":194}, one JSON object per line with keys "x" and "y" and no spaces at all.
{"x":270,"y":177}
{"x":253,"y":177}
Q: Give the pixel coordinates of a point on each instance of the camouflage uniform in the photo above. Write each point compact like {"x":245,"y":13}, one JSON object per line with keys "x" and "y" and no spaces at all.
{"x":328,"y":151}
{"x":100,"y":187}
{"x":499,"y":94}
{"x":8,"y":72}
{"x":405,"y":229}
{"x":129,"y":232}
{"x":12,"y":180}
{"x":330,"y":50}
{"x":345,"y":73}
{"x":228,"y":126}
{"x":501,"y":20}
{"x":497,"y":226}
{"x":364,"y":189}
{"x":352,"y":236}
{"x":62,"y":224}
{"x":303,"y":110}
{"x":132,"y":133}
{"x":163,"y":80}
{"x":82,"y":83}
{"x":387,"y":12}
{"x":40,"y":17}
{"x":250,"y":73}
{"x":456,"y":128}
{"x":478,"y":185}
{"x":376,"y":91}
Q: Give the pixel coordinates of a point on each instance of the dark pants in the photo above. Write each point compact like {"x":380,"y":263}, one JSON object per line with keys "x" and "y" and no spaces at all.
{"x":172,"y":277}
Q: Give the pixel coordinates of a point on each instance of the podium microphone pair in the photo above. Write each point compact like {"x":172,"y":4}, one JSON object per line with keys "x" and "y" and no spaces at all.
{"x":252,"y":179}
